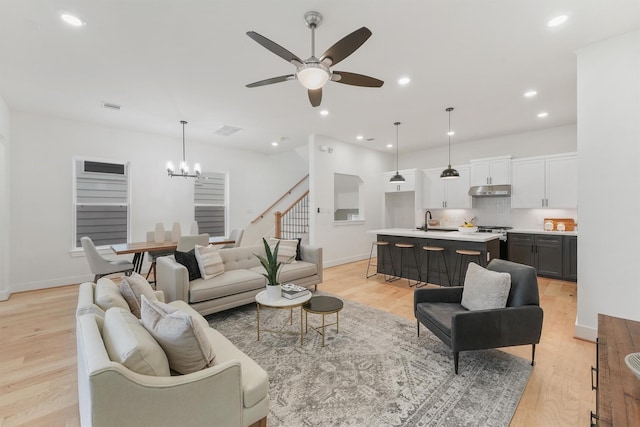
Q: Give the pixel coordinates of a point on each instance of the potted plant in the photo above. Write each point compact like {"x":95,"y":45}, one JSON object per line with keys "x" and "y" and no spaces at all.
{"x":271,"y":266}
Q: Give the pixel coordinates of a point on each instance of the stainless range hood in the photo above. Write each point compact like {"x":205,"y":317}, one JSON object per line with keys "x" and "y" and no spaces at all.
{"x":490,"y":191}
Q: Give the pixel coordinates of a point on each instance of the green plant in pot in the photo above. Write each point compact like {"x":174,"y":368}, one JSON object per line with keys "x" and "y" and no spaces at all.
{"x":272,"y":266}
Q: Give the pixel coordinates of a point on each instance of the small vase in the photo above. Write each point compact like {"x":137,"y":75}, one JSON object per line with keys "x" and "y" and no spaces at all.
{"x":159,"y":233}
{"x":274,"y":292}
{"x":175,"y":232}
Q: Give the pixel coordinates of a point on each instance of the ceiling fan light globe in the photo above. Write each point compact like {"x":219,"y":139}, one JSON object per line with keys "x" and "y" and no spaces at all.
{"x":312,"y":75}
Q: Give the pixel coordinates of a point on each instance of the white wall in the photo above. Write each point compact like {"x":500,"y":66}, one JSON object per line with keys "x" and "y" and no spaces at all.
{"x":609,"y":181}
{"x":344,"y":241}
{"x":556,"y":140}
{"x":4,"y":200}
{"x":42,"y":150}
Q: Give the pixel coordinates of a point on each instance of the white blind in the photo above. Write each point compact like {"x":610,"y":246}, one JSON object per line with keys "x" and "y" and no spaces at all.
{"x":209,"y":189}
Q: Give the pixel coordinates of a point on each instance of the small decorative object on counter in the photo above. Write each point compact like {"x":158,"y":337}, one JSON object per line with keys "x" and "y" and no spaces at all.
{"x":548,"y":226}
{"x":560,"y":226}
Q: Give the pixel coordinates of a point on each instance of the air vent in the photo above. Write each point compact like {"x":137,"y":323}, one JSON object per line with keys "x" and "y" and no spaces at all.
{"x":99,"y":167}
{"x":110,"y":106}
{"x":371,"y":139}
{"x":226,"y":130}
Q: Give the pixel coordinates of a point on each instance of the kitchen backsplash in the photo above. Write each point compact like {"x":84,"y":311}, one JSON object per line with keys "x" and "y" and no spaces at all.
{"x":497,"y":211}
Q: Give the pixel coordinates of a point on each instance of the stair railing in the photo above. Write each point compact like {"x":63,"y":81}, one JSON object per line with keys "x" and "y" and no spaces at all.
{"x":294,"y":221}
{"x":266,"y":211}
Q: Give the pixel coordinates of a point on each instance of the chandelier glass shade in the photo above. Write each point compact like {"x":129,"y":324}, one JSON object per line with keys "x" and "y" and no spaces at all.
{"x":184,"y":167}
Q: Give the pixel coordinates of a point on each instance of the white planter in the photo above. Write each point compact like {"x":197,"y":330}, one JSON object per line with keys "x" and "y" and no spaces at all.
{"x":274,"y":292}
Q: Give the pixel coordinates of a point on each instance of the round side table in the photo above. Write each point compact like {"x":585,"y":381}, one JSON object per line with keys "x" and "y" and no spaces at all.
{"x":323,"y":305}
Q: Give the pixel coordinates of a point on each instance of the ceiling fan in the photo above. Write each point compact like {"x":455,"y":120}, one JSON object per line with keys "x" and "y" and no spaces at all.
{"x":314,"y":72}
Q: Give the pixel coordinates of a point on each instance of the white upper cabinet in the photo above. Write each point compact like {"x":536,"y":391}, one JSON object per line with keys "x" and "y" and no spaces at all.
{"x":545,"y":182}
{"x":446,"y":193}
{"x":409,"y":183}
{"x":491,"y":171}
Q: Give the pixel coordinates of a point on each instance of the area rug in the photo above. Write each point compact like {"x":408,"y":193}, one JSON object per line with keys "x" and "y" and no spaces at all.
{"x":374,"y":372}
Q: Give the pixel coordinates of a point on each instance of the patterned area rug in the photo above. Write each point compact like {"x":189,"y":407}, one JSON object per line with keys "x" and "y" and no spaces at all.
{"x":374,"y":372}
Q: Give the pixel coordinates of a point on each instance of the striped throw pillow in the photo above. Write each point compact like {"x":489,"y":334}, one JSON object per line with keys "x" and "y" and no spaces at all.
{"x":286,"y":250}
{"x":209,"y":261}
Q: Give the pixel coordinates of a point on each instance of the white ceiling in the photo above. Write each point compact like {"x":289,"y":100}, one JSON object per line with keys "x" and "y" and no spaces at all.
{"x":166,"y":61}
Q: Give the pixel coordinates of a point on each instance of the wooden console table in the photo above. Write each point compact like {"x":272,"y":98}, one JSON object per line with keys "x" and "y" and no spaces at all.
{"x":617,"y":389}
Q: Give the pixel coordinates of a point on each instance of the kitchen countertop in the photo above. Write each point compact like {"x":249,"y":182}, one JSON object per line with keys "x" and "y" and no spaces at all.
{"x":444,"y":235}
{"x":538,"y":231}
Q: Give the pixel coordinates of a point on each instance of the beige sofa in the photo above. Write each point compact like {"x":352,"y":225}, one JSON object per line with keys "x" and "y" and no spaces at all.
{"x":241,"y":281}
{"x":234,"y":392}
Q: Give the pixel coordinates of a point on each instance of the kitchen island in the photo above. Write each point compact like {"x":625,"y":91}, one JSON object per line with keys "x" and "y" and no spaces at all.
{"x":487,"y":243}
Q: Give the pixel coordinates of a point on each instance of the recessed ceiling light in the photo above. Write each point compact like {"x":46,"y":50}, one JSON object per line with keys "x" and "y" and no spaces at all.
{"x":450,"y":133}
{"x":274,"y":143}
{"x":404,"y":81}
{"x":530,"y":93}
{"x":543,"y":114}
{"x":324,"y":112}
{"x":389,"y":145}
{"x":359,"y":137}
{"x":72,"y":20}
{"x":558,"y":20}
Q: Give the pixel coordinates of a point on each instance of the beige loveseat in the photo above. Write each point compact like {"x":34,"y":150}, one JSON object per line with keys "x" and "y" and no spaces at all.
{"x":233,"y":392}
{"x":241,"y":281}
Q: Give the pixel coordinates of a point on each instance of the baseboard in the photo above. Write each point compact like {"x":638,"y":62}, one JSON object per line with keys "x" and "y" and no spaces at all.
{"x":4,"y":295}
{"x":585,"y":332}
{"x":46,"y":284}
{"x":347,"y":260}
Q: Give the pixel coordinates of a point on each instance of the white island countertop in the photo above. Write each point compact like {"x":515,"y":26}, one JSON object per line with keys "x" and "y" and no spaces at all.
{"x":444,"y":235}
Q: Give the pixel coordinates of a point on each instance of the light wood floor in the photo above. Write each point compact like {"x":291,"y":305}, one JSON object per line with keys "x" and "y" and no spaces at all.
{"x":38,"y":352}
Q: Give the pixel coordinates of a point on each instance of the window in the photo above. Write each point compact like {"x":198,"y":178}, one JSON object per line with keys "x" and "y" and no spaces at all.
{"x":347,"y":203}
{"x":210,"y":203}
{"x":101,"y":202}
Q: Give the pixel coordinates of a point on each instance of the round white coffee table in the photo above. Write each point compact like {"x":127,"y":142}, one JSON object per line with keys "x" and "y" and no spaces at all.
{"x":280,"y":303}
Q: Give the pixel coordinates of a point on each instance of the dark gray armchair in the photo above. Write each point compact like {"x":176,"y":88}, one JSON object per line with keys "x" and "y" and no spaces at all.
{"x":519,"y":323}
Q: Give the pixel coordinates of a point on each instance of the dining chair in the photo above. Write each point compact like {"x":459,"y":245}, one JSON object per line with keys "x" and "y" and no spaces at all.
{"x":151,"y":236}
{"x":101,"y":266}
{"x":186,"y":243}
{"x":236,"y":236}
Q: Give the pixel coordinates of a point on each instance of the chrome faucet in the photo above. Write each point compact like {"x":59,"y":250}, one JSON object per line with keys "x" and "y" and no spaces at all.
{"x":426,"y":222}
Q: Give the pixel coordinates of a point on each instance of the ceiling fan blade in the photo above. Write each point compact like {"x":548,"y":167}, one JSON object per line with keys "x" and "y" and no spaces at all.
{"x":346,"y":46}
{"x":272,"y":80}
{"x":315,"y":96}
{"x":273,"y":47}
{"x":355,"y":79}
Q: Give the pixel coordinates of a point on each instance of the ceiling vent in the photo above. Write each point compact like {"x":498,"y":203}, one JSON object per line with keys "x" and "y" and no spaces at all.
{"x":226,"y":130}
{"x":371,"y":139}
{"x":110,"y":106}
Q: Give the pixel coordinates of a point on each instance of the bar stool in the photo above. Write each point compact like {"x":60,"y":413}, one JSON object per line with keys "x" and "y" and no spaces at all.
{"x":463,"y":254}
{"x":435,"y":250}
{"x":403,"y":248}
{"x":382,"y":261}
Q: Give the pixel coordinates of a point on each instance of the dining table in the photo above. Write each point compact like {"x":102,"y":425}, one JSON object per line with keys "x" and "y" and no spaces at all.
{"x":138,"y":249}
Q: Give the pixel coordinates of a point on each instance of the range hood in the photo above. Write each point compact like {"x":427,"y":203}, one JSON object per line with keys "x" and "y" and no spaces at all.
{"x":490,"y":191}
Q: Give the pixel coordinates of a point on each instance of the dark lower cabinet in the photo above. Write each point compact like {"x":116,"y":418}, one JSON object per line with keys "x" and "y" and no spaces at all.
{"x":570,"y":257}
{"x":544,"y":252}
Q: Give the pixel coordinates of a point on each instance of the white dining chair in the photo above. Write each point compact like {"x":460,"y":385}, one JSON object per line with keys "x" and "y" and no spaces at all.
{"x":101,"y":266}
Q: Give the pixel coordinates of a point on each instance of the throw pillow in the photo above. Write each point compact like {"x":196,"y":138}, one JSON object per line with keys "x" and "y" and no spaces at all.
{"x":184,"y":341}
{"x":132,"y":288}
{"x":107,"y":295}
{"x":209,"y":261}
{"x":188,"y":259}
{"x":286,"y":251}
{"x":130,"y":344}
{"x":485,"y":289}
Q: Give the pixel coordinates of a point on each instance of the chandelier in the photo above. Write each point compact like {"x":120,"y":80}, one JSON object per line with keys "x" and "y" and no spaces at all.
{"x":184,"y":167}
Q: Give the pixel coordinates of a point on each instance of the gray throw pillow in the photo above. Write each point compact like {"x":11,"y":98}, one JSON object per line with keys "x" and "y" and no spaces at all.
{"x":485,"y":289}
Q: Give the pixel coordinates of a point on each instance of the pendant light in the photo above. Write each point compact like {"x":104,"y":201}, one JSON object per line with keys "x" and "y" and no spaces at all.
{"x":397,"y":178}
{"x":184,"y":168}
{"x":449,"y":172}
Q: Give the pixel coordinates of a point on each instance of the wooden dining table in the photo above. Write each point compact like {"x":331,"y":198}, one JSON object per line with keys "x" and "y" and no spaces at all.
{"x":139,"y":248}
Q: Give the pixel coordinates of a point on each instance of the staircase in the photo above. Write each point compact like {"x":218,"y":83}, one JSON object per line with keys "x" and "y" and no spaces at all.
{"x":293,"y":223}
